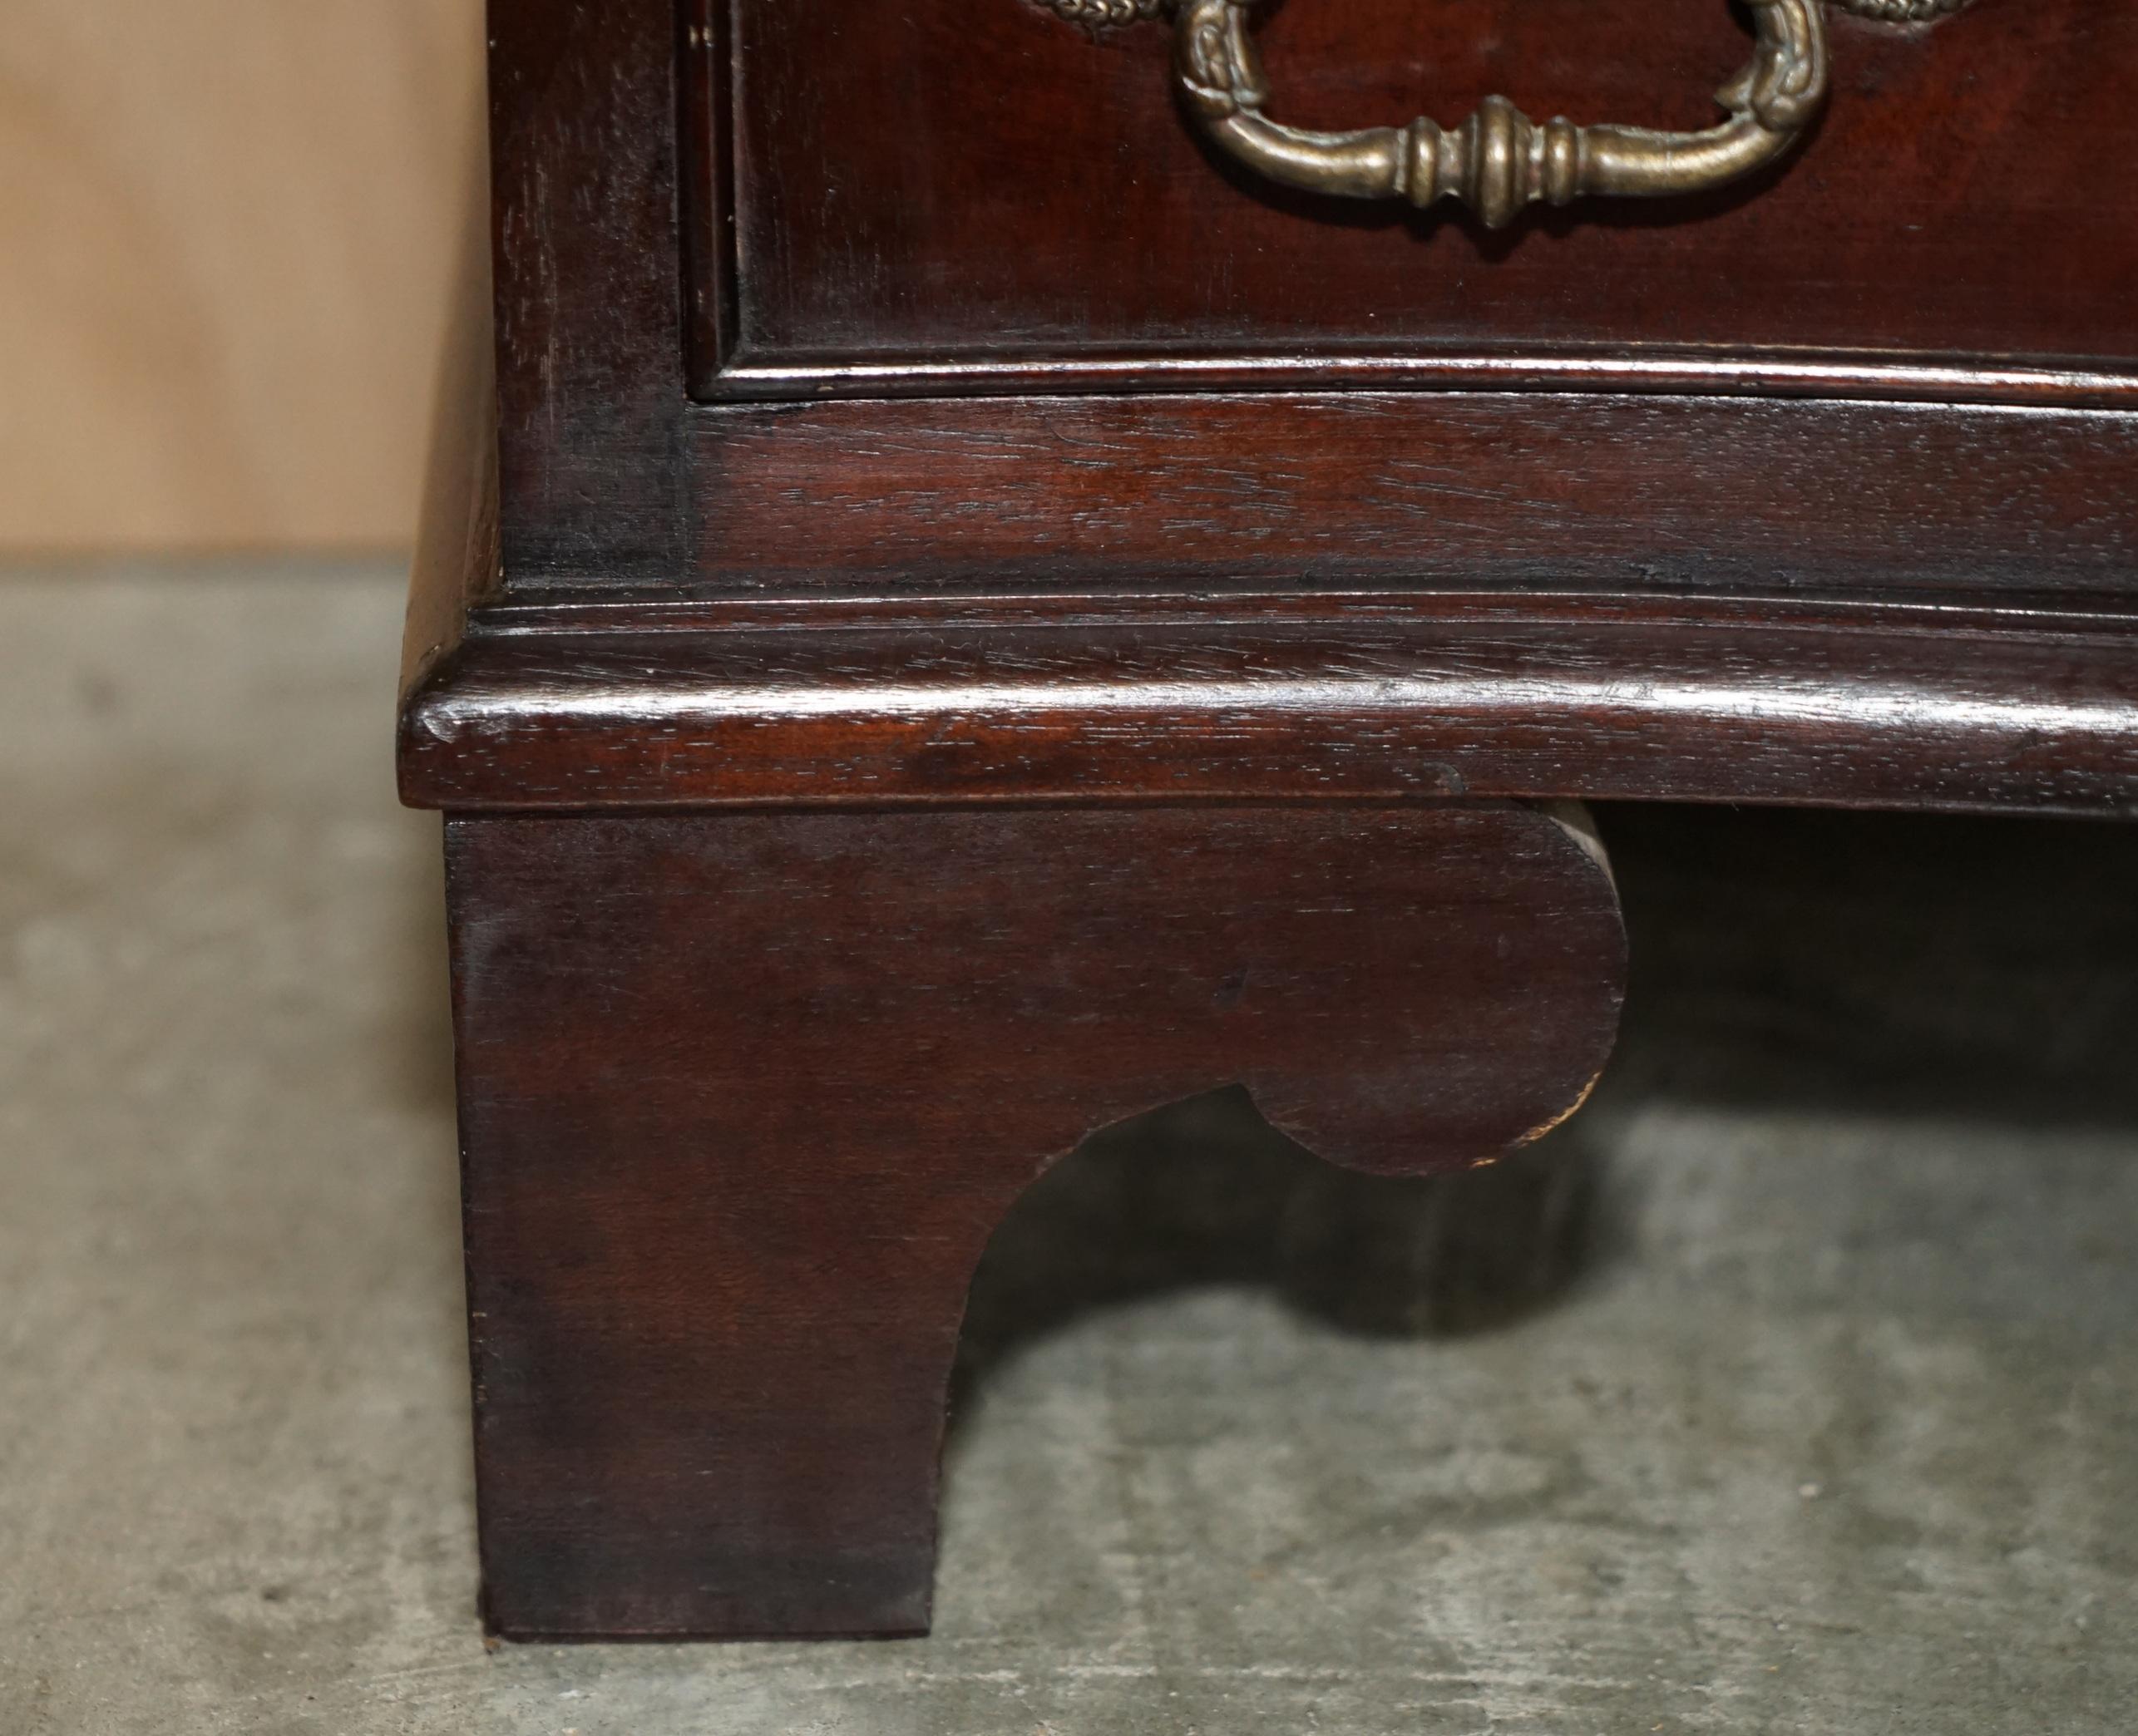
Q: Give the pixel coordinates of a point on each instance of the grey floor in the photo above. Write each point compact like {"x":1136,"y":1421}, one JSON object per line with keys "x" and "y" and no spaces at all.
{"x":1794,"y":1388}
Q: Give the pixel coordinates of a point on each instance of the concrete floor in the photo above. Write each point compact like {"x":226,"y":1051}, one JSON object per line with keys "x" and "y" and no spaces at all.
{"x":1794,"y":1388}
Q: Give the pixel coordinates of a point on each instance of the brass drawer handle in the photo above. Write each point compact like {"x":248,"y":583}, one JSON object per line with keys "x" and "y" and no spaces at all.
{"x":1498,"y":159}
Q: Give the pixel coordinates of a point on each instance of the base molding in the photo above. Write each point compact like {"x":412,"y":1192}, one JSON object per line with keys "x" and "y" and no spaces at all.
{"x":1891,"y":706}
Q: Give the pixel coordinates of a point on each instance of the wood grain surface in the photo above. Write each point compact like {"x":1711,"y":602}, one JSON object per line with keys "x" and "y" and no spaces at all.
{"x":229,"y":227}
{"x":743,"y":1097}
{"x":610,"y":478}
{"x":1273,"y":492}
{"x":853,"y":803}
{"x":1160,"y":596}
{"x":952,"y":182}
{"x":1933,"y":707}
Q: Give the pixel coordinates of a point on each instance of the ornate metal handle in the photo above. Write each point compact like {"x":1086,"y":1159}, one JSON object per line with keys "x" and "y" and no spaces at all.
{"x":1498,"y":159}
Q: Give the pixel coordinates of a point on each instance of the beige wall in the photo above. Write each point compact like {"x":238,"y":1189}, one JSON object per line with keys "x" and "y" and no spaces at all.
{"x":225,"y":231}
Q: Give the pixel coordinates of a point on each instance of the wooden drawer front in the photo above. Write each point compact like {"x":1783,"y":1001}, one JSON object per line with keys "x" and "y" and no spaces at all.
{"x":976,"y":194}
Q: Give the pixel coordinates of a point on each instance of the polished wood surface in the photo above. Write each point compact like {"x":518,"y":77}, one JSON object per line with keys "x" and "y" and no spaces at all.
{"x":743,"y":1097}
{"x":1411,"y":491}
{"x":976,"y":180}
{"x":608,"y":260}
{"x":1535,"y":594}
{"x":587,"y":258}
{"x":862,"y":788}
{"x":1931,"y":707}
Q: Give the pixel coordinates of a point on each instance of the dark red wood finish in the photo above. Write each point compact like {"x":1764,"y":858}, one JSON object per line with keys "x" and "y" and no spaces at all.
{"x":950,"y":182}
{"x":743,"y":1096}
{"x":854,"y":803}
{"x":587,"y":261}
{"x":1413,"y":491}
{"x":1928,"y":708}
{"x":1960,"y":231}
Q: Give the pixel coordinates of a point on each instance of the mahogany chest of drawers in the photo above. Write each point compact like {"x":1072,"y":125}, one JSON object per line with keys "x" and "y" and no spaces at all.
{"x":992,"y":564}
